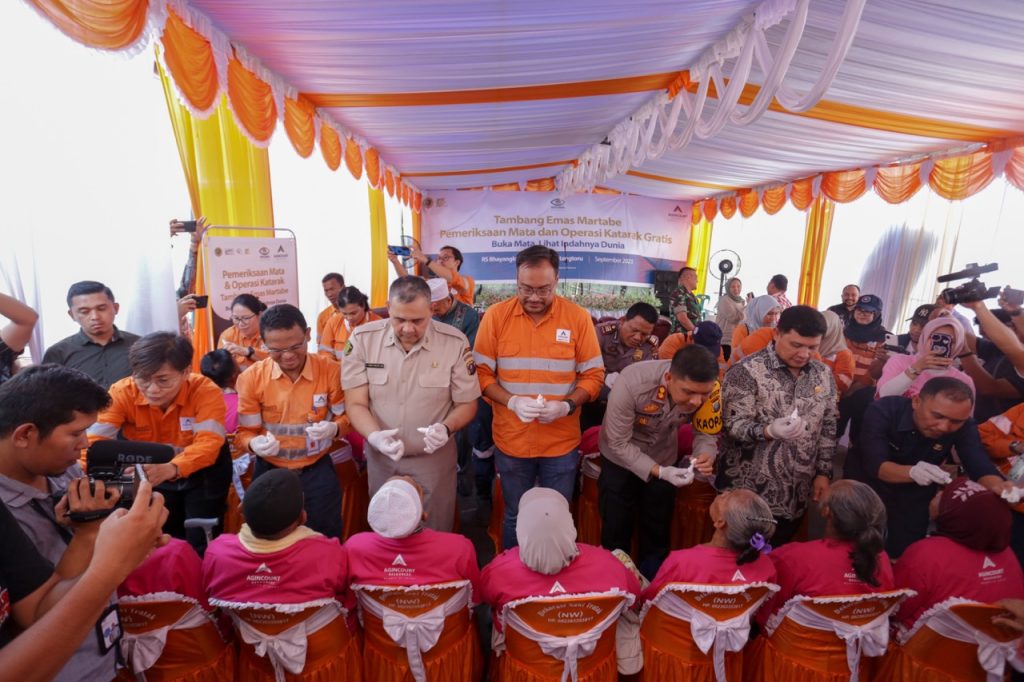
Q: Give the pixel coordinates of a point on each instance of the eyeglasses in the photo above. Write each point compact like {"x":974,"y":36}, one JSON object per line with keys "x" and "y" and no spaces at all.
{"x":290,"y":349}
{"x":243,"y":319}
{"x":541,"y":292}
{"x":159,"y":382}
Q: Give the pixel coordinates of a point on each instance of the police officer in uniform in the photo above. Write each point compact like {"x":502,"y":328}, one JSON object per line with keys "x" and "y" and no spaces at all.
{"x":623,"y":342}
{"x":639,"y":446}
{"x":410,"y":383}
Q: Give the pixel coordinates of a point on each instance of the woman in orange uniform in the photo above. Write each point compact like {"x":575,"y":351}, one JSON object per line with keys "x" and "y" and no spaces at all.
{"x":242,"y":338}
{"x":355,"y":311}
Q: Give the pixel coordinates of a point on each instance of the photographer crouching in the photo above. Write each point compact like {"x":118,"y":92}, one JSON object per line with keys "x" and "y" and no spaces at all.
{"x":44,"y":413}
{"x":164,"y":402}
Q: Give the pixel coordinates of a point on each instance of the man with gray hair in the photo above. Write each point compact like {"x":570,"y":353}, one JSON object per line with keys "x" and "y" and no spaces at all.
{"x":410,"y":383}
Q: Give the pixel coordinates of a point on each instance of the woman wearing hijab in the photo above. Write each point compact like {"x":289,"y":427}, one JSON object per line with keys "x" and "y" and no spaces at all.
{"x":730,"y":311}
{"x":865,"y":337}
{"x":547,"y":554}
{"x":743,"y":525}
{"x":942,"y":341}
{"x":428,"y":556}
{"x":757,"y":329}
{"x":835,"y":354}
{"x":402,"y":553}
{"x":968,"y":557}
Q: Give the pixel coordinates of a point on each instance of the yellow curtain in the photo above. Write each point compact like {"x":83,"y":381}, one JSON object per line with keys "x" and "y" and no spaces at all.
{"x":816,"y":236}
{"x":700,"y":250}
{"x":378,"y":249}
{"x":228,"y":181}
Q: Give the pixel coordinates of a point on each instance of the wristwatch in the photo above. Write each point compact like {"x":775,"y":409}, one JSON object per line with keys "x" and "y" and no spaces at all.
{"x":252,"y":351}
{"x":572,"y":404}
{"x":1017,"y":447}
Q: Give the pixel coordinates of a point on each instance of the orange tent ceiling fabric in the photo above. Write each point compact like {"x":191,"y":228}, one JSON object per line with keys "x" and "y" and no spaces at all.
{"x":189,"y":59}
{"x":330,"y":146}
{"x":299,"y":125}
{"x":104,"y":24}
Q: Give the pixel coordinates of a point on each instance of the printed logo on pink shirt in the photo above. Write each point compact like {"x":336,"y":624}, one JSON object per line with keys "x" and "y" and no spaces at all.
{"x":738,"y":577}
{"x":399,"y":569}
{"x":263,"y":575}
{"x":556,"y":588}
{"x":990,"y":571}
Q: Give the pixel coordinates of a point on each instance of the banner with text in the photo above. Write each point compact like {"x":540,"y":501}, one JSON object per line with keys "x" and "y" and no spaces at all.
{"x":265,"y":267}
{"x":615,"y":239}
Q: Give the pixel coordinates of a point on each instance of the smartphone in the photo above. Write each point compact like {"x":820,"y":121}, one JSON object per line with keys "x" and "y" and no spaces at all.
{"x":1013,"y":296}
{"x":891,"y":340}
{"x":188,"y":226}
{"x":201,"y":301}
{"x":140,"y":476}
{"x":941,"y":344}
{"x":399,"y":250}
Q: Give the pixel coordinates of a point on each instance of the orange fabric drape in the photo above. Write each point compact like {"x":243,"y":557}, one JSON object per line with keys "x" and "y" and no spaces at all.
{"x":896,"y":184}
{"x":300,"y":125}
{"x":748,"y":202}
{"x":816,"y":238}
{"x":773,"y":199}
{"x":330,"y":146}
{"x":844,"y":186}
{"x":695,"y":213}
{"x":727,"y":207}
{"x":802,"y":193}
{"x":189,"y":59}
{"x":541,"y":185}
{"x":104,"y":24}
{"x":506,"y":187}
{"x":378,"y":249}
{"x":961,"y":176}
{"x":372,"y":162}
{"x":1015,"y":168}
{"x":252,"y":102}
{"x":389,"y":183}
{"x":417,"y":226}
{"x":353,"y":158}
{"x":603,"y":190}
{"x":709,"y":207}
{"x":417,"y":202}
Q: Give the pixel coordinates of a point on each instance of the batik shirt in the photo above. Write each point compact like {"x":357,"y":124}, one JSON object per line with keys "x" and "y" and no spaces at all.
{"x":757,"y":391}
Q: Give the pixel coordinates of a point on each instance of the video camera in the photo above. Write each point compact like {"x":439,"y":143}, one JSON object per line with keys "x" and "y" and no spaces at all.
{"x":968,"y":292}
{"x":111,"y":461}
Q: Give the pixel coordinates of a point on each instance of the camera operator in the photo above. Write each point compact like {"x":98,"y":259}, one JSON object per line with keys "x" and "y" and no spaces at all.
{"x":164,"y":402}
{"x":1001,"y":378}
{"x":44,"y":413}
{"x":57,"y":615}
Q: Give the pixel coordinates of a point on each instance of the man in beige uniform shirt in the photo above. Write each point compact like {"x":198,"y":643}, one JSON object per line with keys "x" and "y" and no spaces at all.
{"x":639,"y":445}
{"x":410,"y":383}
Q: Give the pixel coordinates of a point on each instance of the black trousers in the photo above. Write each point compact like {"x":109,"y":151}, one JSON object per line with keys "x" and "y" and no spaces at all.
{"x":623,"y":499}
{"x":200,"y":496}
{"x":321,"y":491}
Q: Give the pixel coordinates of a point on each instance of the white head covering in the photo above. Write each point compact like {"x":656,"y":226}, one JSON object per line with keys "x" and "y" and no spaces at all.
{"x":545,"y":531}
{"x":396,"y":510}
{"x":833,"y":341}
{"x":438,"y":289}
{"x":754,"y":314}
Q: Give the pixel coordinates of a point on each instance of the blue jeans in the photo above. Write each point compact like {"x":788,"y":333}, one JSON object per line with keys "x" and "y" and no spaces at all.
{"x":519,"y":474}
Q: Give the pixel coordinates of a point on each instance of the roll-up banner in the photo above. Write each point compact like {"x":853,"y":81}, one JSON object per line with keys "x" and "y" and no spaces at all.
{"x":265,"y":267}
{"x":613,"y":239}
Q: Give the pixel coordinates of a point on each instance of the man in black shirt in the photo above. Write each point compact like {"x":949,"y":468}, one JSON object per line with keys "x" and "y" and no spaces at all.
{"x":903,"y":443}
{"x":99,"y":348}
{"x":851,"y":292}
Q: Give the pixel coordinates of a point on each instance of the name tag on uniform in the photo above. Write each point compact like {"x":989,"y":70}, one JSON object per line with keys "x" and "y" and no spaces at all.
{"x":375,"y":365}
{"x":563,"y":336}
{"x":186,"y":423}
{"x":319,"y":400}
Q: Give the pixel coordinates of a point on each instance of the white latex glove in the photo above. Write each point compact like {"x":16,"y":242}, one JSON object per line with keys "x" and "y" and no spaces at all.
{"x":527,"y":409}
{"x":552,"y":410}
{"x":265,"y":445}
{"x":322,"y":430}
{"x":386,"y":443}
{"x":924,"y":473}
{"x":677,"y":476}
{"x":786,"y":428}
{"x":1011,"y":495}
{"x":434,"y":437}
{"x":610,"y":379}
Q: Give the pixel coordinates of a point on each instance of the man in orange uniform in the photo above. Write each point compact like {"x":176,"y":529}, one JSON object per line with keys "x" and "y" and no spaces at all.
{"x":290,"y":410}
{"x":538,"y":360}
{"x":164,"y":402}
{"x":447,"y":266}
{"x":333,"y":283}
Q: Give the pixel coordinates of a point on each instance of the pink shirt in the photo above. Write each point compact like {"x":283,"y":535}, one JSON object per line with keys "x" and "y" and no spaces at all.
{"x":424,"y":558}
{"x":507,"y":578}
{"x":898,"y":363}
{"x":313,"y":568}
{"x":175,"y":567}
{"x":231,"y":418}
{"x":938,"y":568}
{"x":820,"y":568}
{"x":709,"y":566}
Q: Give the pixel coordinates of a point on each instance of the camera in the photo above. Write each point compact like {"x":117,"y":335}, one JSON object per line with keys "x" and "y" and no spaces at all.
{"x":111,"y":461}
{"x":968,"y":292}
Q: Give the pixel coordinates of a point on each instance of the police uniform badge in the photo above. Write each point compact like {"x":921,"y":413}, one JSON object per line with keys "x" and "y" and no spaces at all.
{"x":638,"y":355}
{"x":661,"y":392}
{"x":470,"y":363}
{"x":651,"y":408}
{"x":348,"y":348}
{"x":642,"y":421}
